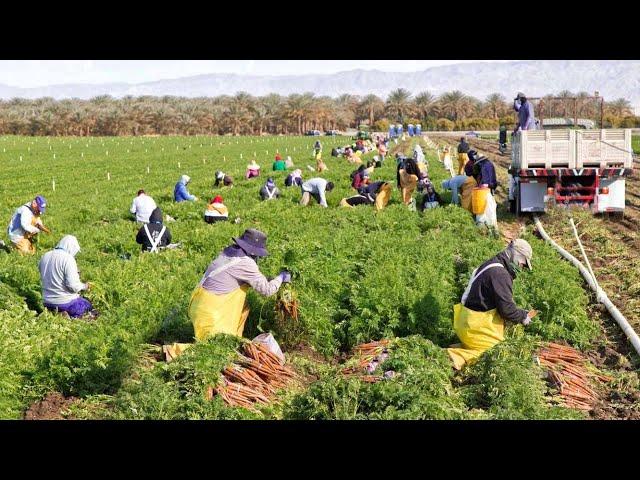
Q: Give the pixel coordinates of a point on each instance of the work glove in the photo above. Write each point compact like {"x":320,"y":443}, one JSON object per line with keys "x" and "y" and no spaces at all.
{"x":285,"y":276}
{"x":530,"y":315}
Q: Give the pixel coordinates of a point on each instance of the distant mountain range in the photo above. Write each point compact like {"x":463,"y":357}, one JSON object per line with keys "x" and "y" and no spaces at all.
{"x":612,"y":78}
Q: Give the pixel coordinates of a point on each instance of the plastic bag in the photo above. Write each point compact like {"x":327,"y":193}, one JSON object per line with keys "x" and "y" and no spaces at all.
{"x":489,"y":217}
{"x":268,"y":341}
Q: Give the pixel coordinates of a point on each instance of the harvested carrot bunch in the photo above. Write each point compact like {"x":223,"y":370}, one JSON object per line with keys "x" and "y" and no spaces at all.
{"x":367,"y":357}
{"x":568,"y":374}
{"x":253,"y":378}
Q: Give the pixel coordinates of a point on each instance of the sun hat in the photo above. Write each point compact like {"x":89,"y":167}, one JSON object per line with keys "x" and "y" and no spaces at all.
{"x":253,"y":242}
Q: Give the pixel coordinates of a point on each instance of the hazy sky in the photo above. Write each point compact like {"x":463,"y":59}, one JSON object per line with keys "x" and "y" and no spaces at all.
{"x":35,"y":73}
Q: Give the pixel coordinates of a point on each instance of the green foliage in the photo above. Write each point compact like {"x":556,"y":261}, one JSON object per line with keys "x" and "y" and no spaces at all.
{"x":421,"y":389}
{"x":507,"y":383}
{"x":359,"y":275}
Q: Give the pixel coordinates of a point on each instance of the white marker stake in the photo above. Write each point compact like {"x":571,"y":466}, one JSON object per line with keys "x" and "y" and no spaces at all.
{"x":54,"y":156}
{"x":204,"y":161}
{"x":147,"y":168}
{"x":20,"y":157}
{"x":178,"y":164}
{"x":82,"y":154}
{"x":109,"y":176}
{"x":240,"y":156}
{"x":53,"y":184}
{"x":224,"y":158}
{"x":107,"y":153}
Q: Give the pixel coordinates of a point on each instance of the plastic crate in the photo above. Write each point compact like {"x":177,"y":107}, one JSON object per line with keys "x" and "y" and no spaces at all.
{"x":605,"y":148}
{"x":544,"y":149}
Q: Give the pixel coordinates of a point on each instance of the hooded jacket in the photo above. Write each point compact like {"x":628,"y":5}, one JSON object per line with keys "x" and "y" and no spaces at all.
{"x":155,"y":227}
{"x":59,"y":273}
{"x":180,"y":192}
{"x":494,"y":289}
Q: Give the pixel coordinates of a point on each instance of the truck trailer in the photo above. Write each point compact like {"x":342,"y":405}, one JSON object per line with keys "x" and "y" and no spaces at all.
{"x":567,"y":167}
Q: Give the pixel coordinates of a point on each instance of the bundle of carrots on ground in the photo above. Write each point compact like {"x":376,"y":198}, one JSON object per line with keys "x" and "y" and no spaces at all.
{"x":252,"y":378}
{"x":367,"y":357}
{"x":568,"y":373}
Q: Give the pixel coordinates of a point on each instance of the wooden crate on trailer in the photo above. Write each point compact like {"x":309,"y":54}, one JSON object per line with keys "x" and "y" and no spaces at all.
{"x":605,"y":148}
{"x":544,"y":149}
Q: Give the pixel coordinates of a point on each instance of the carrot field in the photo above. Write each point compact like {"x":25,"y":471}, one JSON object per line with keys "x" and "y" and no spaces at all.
{"x":359,"y":275}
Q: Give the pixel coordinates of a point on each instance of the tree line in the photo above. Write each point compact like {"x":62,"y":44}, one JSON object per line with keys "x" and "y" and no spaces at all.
{"x":244,"y":114}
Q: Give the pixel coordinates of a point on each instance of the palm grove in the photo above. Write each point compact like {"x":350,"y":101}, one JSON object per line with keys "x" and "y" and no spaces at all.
{"x":244,"y":114}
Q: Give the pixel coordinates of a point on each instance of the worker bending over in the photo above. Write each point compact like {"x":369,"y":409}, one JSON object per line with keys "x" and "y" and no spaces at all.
{"x":218,"y":303}
{"x":316,"y":188}
{"x":478,"y":319}
{"x":180,"y":192}
{"x":25,"y":224}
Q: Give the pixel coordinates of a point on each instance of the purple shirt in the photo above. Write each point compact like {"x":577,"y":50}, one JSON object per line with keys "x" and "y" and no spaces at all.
{"x":526,"y":120}
{"x":243,"y":271}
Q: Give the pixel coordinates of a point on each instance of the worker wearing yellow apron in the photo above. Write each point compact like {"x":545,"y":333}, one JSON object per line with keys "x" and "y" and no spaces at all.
{"x":463,"y":157}
{"x":218,"y":304}
{"x":478,"y":319}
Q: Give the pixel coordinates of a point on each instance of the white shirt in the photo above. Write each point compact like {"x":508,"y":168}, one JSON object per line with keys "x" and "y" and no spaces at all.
{"x":21,"y":223}
{"x":142,"y":206}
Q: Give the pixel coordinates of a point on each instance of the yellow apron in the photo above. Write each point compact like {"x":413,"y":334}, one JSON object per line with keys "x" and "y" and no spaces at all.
{"x":477,"y":331}
{"x":463,"y":158}
{"x":213,"y":313}
{"x":408,"y":184}
{"x":466,"y":191}
{"x":218,"y":313}
{"x":383,"y":197}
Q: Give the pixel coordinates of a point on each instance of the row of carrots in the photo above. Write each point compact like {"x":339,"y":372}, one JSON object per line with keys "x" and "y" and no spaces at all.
{"x":365,"y":354}
{"x":568,"y":373}
{"x":252,"y":378}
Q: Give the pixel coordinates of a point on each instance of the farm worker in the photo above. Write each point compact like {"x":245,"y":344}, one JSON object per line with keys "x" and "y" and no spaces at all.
{"x":288,"y":162}
{"x":382,"y":151}
{"x":253,"y":170}
{"x":25,"y":224}
{"x":359,"y":177}
{"x":485,"y":173}
{"x":216,"y":211}
{"x":320,"y":165}
{"x":377,"y":193}
{"x":430,"y":199}
{"x":279,"y":164}
{"x":408,"y":177}
{"x":180,"y":192}
{"x":142,"y":206}
{"x":316,"y":188}
{"x":478,"y":319}
{"x":153,"y":235}
{"x":223,"y":178}
{"x":218,"y":304}
{"x":61,"y":280}
{"x":294,"y":178}
{"x":461,"y":187}
{"x":526,"y":119}
{"x":269,"y":191}
{"x":317,"y":148}
{"x":448,"y":163}
{"x":468,"y":167}
{"x":463,"y":157}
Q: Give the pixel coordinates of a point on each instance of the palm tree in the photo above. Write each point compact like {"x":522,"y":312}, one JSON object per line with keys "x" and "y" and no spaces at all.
{"x":425,"y":104}
{"x":619,"y":108}
{"x":398,"y":104}
{"x":496,"y":104}
{"x":455,"y":105}
{"x":370,"y":106}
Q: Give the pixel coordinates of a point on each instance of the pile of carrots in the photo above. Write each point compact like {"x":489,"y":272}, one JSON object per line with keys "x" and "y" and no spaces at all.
{"x":252,"y":378}
{"x":567,"y":372}
{"x":364,"y":354}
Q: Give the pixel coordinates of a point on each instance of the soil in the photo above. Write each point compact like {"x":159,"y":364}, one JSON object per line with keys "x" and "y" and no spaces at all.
{"x":51,"y":407}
